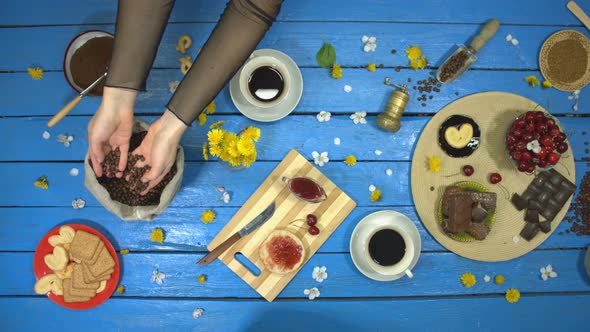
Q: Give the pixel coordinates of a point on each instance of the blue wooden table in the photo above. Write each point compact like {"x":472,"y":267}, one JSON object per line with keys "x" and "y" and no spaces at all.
{"x":35,"y":34}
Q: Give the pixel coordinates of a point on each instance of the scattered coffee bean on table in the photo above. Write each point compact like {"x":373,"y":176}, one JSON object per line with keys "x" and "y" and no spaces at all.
{"x":127,"y":188}
{"x":453,"y":65}
{"x":579,"y":212}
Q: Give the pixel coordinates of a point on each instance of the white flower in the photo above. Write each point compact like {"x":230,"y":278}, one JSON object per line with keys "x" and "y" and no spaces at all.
{"x":378,"y":152}
{"x":320,"y":159}
{"x":508,"y":37}
{"x":65,"y":139}
{"x":74,"y":172}
{"x":515,"y":238}
{"x":225,"y":197}
{"x":198,"y":313}
{"x":547,"y":272}
{"x":220,"y":189}
{"x":319,"y":274}
{"x":370,"y":43}
{"x":337,"y":140}
{"x":365,"y":39}
{"x":534,"y":146}
{"x":486,"y":278}
{"x":370,"y":47}
{"x":173,"y":85}
{"x":312,"y":293}
{"x":359,"y":117}
{"x":515,"y":42}
{"x":323,"y":116}
{"x":158,"y":277}
{"x":372,"y":188}
{"x":78,"y":203}
{"x":347,"y":88}
{"x":46,"y":134}
{"x":389,"y":172}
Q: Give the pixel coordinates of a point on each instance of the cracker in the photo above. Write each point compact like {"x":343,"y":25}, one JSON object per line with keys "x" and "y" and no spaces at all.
{"x":88,"y":277}
{"x":104,"y":263}
{"x":70,"y":290}
{"x":96,"y":253}
{"x":78,"y":279}
{"x":71,"y":298}
{"x":84,"y":245}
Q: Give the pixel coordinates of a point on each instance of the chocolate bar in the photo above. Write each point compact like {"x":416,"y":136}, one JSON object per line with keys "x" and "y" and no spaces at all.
{"x":531,"y":216}
{"x":545,"y":226}
{"x":529,"y":231}
{"x":519,"y":202}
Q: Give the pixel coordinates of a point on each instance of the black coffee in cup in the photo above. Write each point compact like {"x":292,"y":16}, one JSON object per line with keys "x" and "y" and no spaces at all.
{"x":387,"y":247}
{"x":266,"y":84}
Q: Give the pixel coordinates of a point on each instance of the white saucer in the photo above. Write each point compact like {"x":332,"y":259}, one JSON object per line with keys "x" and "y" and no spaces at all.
{"x":357,"y":251}
{"x":279,"y":111}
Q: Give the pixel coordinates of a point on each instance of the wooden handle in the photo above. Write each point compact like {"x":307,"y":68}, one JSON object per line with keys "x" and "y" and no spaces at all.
{"x":488,"y":31}
{"x":220,"y":249}
{"x":63,"y":112}
{"x":580,"y":14}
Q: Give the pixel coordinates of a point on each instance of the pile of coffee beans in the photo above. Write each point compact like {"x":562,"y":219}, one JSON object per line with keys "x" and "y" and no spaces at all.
{"x":452,"y":66}
{"x":579,"y":212}
{"x":127,"y":188}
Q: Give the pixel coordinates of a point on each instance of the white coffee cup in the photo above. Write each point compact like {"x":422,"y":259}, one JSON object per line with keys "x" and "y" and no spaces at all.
{"x":248,"y":69}
{"x":386,"y":220}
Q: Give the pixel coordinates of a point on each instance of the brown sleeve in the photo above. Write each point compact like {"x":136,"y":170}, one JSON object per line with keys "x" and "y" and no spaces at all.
{"x":240,"y":29}
{"x":139,"y":29}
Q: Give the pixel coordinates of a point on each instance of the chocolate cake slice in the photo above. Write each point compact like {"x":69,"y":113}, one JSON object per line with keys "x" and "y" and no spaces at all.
{"x":478,"y":230}
{"x":459,"y":213}
{"x":487,"y":200}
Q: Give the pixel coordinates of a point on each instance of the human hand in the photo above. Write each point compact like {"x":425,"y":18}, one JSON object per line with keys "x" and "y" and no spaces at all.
{"x":159,"y":148}
{"x":111,"y":127}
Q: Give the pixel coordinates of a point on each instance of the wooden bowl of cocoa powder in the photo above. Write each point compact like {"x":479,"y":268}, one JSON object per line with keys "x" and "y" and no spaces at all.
{"x":565,"y":60}
{"x":86,"y":59}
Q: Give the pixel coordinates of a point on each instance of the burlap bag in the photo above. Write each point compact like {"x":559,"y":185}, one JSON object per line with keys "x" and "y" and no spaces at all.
{"x":127,"y":212}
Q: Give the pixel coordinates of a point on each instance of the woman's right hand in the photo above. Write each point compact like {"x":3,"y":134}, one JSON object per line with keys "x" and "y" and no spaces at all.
{"x":111,"y":127}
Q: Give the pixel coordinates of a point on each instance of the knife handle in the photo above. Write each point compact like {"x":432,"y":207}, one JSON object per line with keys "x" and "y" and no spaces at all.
{"x":576,"y":10}
{"x":488,"y":31}
{"x":220,"y":249}
{"x":64,"y":111}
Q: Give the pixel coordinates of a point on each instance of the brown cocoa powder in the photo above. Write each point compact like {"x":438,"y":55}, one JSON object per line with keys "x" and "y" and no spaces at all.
{"x":567,"y":61}
{"x":90,"y":61}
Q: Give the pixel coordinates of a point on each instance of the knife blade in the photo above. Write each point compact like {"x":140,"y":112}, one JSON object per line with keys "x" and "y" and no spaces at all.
{"x":260,"y":219}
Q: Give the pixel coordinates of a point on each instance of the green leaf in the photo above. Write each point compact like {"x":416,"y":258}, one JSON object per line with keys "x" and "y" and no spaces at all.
{"x":326,"y":56}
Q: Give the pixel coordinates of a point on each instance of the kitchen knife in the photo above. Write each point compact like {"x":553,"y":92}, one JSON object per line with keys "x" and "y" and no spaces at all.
{"x":464,"y":56}
{"x":249,"y":228}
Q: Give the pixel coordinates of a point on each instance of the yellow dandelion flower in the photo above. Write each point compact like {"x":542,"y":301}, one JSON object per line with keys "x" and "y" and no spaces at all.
{"x":376,"y":195}
{"x":371,"y":67}
{"x":217,"y":125}
{"x":224,"y":155}
{"x":207,"y":216}
{"x":499,"y":279}
{"x":215,"y":136}
{"x":413,"y":52}
{"x":157,"y":235}
{"x":202,"y":279}
{"x":230,"y":144}
{"x":336,"y":71}
{"x":124,"y":251}
{"x":532,"y":80}
{"x":215,"y":150}
{"x":434,"y":164}
{"x":248,"y":160}
{"x":121,"y":289}
{"x":206,"y":151}
{"x":35,"y":73}
{"x":547,"y":85}
{"x":210,"y":109}
{"x":41,"y":182}
{"x":350,"y":160}
{"x":235,"y":161}
{"x":252,"y":133}
{"x":202,"y":119}
{"x":468,"y":279}
{"x":419,"y":63}
{"x":245,"y":146}
{"x":512,"y":295}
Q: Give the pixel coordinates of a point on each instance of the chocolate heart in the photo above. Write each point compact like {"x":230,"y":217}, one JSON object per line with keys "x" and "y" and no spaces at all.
{"x":459,"y":138}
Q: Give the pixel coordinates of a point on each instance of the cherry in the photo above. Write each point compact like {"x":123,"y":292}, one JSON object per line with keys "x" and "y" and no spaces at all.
{"x":510,"y":140}
{"x":526,"y":155}
{"x":313,"y":230}
{"x":553,"y":158}
{"x":530,"y":127}
{"x":560,"y":138}
{"x":554,"y":132}
{"x":311,"y":219}
{"x":542,"y":163}
{"x":529,"y":116}
{"x":562,"y":147}
{"x":535,"y":161}
{"x":468,"y":170}
{"x":527,"y":137}
{"x":550,"y":122}
{"x":521,"y":145}
{"x":517,"y":133}
{"x":495,"y":178}
{"x":522,"y":166}
{"x":546,"y":141}
{"x":541,"y":128}
{"x":520,"y":123}
{"x":516,"y":155}
{"x":530,"y":169}
{"x":541,"y":154}
{"x":540,"y":117}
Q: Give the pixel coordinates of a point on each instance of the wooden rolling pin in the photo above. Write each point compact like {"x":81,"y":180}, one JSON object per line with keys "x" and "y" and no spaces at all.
{"x":576,"y":10}
{"x":66,"y":109}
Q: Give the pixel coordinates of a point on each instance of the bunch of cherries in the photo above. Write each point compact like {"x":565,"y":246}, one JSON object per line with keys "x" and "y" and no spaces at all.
{"x":535,"y":126}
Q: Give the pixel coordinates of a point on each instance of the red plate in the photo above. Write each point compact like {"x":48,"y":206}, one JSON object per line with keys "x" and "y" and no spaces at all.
{"x":41,"y":269}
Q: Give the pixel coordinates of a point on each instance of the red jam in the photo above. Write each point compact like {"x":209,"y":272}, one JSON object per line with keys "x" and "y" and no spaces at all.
{"x":306,"y":189}
{"x":284,"y":251}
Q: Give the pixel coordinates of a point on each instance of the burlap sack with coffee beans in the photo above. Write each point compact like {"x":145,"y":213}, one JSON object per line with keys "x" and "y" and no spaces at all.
{"x":127,"y":212}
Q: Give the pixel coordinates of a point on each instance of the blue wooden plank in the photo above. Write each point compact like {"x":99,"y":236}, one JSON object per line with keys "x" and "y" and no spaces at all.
{"x":436,"y":274}
{"x":301,"y":41}
{"x":20,"y":231}
{"x":199,"y":177}
{"x":277,"y":138}
{"x":456,"y":314}
{"x":41,"y":12}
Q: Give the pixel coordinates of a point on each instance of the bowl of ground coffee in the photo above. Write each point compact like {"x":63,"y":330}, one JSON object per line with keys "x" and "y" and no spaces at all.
{"x":565,"y":60}
{"x":86,"y":59}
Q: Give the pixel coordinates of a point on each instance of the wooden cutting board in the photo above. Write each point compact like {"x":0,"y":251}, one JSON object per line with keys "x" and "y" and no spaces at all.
{"x":330,"y":214}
